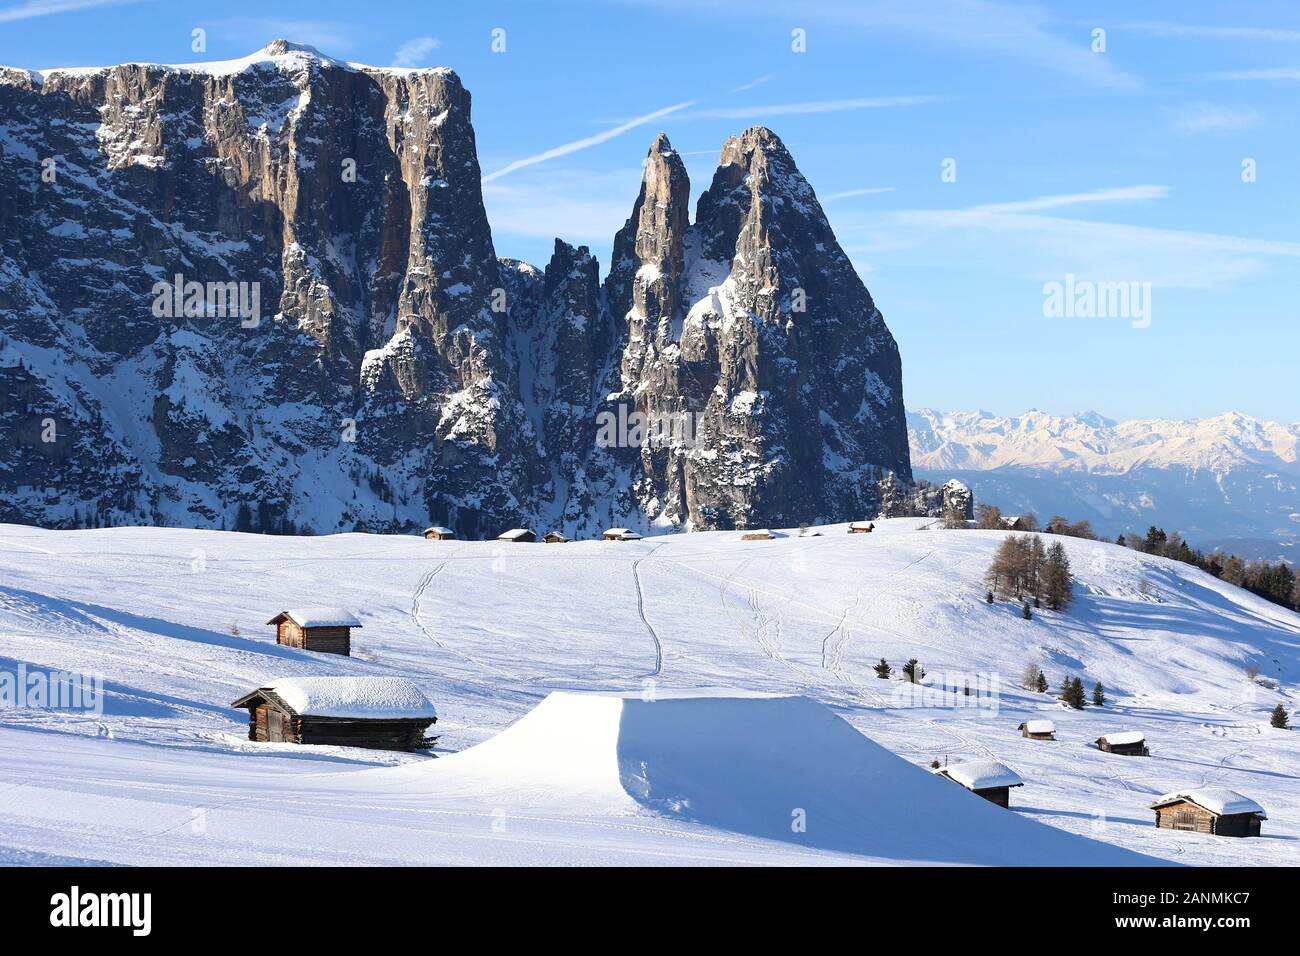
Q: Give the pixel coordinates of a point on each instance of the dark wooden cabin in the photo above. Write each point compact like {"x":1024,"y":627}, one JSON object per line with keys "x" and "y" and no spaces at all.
{"x":1130,"y":743}
{"x":1038,"y":730}
{"x":554,"y":537}
{"x":1214,"y":810}
{"x":439,"y":533}
{"x":379,"y":713}
{"x":984,"y":778}
{"x":620,"y":534}
{"x":324,"y":629}
{"x":518,"y":536}
{"x":861,"y":527}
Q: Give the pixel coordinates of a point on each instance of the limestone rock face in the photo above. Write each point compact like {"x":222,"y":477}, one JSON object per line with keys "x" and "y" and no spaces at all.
{"x":264,"y":294}
{"x":773,"y":349}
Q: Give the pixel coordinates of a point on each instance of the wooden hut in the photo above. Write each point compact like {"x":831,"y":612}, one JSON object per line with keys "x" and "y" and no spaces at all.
{"x":984,"y":778}
{"x":554,"y":537}
{"x":861,"y":527}
{"x":324,"y":629}
{"x":757,"y":534}
{"x":1130,"y":743}
{"x":620,"y":534}
{"x":439,"y":533}
{"x":1038,"y":730}
{"x":518,"y":536}
{"x":381,"y":713}
{"x":1210,"y":810}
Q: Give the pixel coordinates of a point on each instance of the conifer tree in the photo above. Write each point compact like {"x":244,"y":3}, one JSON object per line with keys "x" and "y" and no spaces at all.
{"x":883,"y":670}
{"x":1077,"y":699}
{"x":1058,"y":582}
{"x":913,"y":671}
{"x":1280,"y":718}
{"x":1042,"y":683}
{"x":1098,"y":695}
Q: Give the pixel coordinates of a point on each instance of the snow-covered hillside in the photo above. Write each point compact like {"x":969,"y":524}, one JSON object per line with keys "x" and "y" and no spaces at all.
{"x":662,"y":767}
{"x":1229,"y":481}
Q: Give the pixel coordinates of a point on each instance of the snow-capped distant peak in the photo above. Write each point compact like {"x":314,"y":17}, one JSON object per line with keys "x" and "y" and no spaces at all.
{"x":1089,"y":442}
{"x":279,"y":54}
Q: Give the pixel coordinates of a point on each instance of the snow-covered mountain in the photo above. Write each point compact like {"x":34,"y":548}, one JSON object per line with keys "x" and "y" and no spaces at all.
{"x":707,"y":692}
{"x":343,"y":348}
{"x":1230,"y":481}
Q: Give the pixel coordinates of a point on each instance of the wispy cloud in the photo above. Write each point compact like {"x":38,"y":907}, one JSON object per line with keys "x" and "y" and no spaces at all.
{"x":811,"y":106}
{"x":587,"y":142}
{"x":1015,"y":238}
{"x":45,"y":8}
{"x":415,"y":52}
{"x":759,"y":81}
{"x":1119,"y":194}
{"x":1008,"y":31}
{"x":849,"y":193}
{"x":1175,"y":30}
{"x":1286,"y":73}
{"x":1209,"y":118}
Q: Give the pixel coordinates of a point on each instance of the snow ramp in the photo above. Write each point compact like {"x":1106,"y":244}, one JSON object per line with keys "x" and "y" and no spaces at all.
{"x":776,"y":767}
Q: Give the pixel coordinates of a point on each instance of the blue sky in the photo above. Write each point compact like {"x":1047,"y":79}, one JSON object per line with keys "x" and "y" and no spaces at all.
{"x":1122,"y":165}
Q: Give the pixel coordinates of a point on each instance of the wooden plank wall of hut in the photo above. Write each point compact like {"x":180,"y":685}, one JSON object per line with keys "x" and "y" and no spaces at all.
{"x":289,"y":634}
{"x":1185,"y":816}
{"x":328,"y":640}
{"x":374,"y":734}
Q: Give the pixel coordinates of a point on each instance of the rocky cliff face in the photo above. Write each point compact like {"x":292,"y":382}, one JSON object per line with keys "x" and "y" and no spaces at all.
{"x":264,"y":294}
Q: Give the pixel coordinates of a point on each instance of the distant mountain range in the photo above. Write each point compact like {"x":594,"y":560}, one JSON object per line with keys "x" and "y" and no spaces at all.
{"x":1230,"y":481}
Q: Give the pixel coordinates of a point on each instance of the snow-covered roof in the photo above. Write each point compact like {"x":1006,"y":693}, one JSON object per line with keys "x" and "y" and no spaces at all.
{"x":1039,"y":727}
{"x":319,"y":617}
{"x":514,"y":534}
{"x":1124,"y":737}
{"x":376,"y":698}
{"x":627,"y":534}
{"x":765,"y":531}
{"x":438,"y":529}
{"x":861,"y":524}
{"x":981,"y":774}
{"x":1218,"y":800}
{"x":811,"y":533}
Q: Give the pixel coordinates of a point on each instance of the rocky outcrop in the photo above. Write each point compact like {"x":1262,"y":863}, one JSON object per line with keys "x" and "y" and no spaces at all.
{"x":264,"y":294}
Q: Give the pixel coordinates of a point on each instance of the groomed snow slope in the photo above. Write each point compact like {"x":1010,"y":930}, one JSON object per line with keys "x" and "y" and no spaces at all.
{"x":173,"y":620}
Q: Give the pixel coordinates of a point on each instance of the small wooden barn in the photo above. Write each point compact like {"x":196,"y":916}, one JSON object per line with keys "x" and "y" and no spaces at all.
{"x":984,"y":778}
{"x":620,"y":534}
{"x":324,"y":629}
{"x":757,"y":534}
{"x":439,"y":533}
{"x":861,"y":527}
{"x":1038,"y":730}
{"x":554,"y":537}
{"x":380,"y":713}
{"x":1129,"y":743}
{"x":518,"y":536}
{"x":1213,"y":810}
